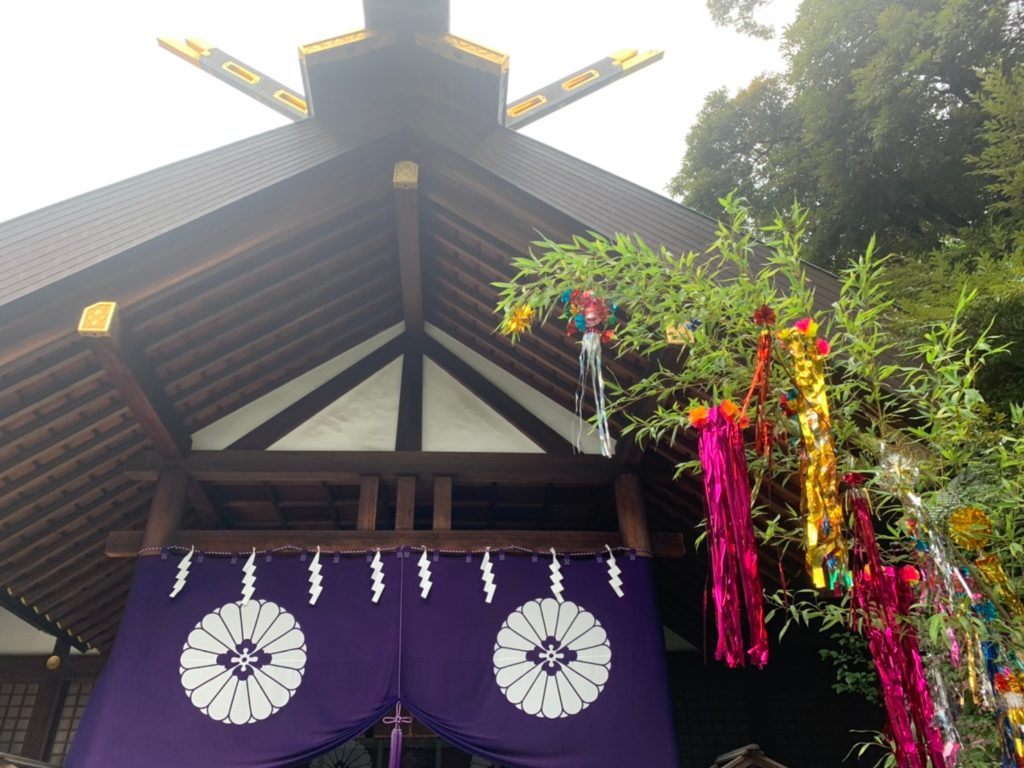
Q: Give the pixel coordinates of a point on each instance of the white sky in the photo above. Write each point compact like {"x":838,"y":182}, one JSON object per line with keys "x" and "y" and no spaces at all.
{"x":90,"y":99}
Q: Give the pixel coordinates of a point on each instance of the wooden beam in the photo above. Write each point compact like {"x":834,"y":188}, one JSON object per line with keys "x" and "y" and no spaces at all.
{"x":629,"y":506}
{"x":125,"y":366}
{"x":409,"y":435}
{"x":279,"y":425}
{"x":405,"y":503}
{"x":128,"y":543}
{"x":442,"y":504}
{"x":517,"y":415}
{"x":166,"y":509}
{"x":347,"y":467}
{"x":369,"y":501}
{"x":407,"y":222}
{"x":101,"y":329}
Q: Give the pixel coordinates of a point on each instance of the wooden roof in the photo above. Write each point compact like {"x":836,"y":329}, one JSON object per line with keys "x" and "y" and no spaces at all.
{"x":244,"y":267}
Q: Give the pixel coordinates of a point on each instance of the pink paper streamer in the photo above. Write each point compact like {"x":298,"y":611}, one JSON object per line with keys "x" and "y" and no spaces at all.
{"x":731,"y":541}
{"x":885,"y":600}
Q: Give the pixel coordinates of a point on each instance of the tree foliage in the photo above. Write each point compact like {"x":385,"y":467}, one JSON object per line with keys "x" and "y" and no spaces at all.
{"x":919,"y":402}
{"x":871,"y":125}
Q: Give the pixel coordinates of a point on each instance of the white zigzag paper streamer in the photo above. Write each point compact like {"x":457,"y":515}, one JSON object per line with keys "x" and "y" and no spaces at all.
{"x":183,"y":566}
{"x":488,"y":577}
{"x":425,"y":583}
{"x":315,"y":579}
{"x":377,"y":577}
{"x":249,"y":579}
{"x":556,"y":577}
{"x":614,"y":572}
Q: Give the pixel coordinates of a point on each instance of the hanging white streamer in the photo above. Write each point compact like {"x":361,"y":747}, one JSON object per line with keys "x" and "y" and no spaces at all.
{"x":614,"y":572}
{"x":590,"y":368}
{"x":377,"y":568}
{"x":249,"y":579}
{"x":556,"y":577}
{"x":183,"y":566}
{"x":425,"y":583}
{"x":315,"y":579}
{"x":487,"y":571}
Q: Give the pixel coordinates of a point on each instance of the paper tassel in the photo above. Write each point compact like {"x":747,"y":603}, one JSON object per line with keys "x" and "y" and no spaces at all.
{"x":826,"y":555}
{"x":249,"y":578}
{"x":731,"y":537}
{"x":593,"y":317}
{"x":614,"y":573}
{"x":377,"y":577}
{"x":556,"y":577}
{"x":315,"y":579}
{"x":487,"y":575}
{"x":590,"y":371}
{"x":183,"y":565}
{"x":884,"y":600}
{"x":425,"y":583}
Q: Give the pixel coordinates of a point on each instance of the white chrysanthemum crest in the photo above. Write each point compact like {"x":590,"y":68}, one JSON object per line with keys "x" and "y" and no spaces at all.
{"x":249,"y":579}
{"x":377,"y":576}
{"x":315,"y":579}
{"x":183,"y":566}
{"x":614,"y":572}
{"x":425,"y":583}
{"x":556,"y":577}
{"x":488,"y":577}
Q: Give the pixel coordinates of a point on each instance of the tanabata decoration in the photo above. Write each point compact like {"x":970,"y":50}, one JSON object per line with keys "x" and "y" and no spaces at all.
{"x":588,"y":314}
{"x":518,"y":320}
{"x":759,"y":385}
{"x":883,"y":597}
{"x":1009,"y":686}
{"x":731,"y":535}
{"x":826,"y":555}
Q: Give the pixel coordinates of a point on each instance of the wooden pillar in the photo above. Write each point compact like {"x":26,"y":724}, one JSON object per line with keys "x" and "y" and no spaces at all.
{"x":369,"y":496}
{"x":49,"y":700}
{"x":442,"y":504}
{"x":166,"y":509}
{"x":632,"y":513}
{"x":405,"y":503}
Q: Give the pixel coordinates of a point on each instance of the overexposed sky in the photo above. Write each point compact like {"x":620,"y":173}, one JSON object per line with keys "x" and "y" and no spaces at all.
{"x":90,"y":99}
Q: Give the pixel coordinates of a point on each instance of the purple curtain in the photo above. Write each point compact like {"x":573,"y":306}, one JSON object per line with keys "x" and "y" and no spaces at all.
{"x":525,"y":680}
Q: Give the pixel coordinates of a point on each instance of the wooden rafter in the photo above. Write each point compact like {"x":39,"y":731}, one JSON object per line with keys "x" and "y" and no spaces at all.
{"x":102,"y":330}
{"x":517,"y":415}
{"x":407,"y":222}
{"x":126,"y":544}
{"x":279,"y":425}
{"x":348,"y":467}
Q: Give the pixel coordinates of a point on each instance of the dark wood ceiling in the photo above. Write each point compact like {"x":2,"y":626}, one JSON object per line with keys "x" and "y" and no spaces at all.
{"x":233,"y":300}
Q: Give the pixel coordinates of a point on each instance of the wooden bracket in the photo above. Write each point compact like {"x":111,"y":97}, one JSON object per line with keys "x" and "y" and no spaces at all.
{"x":632,"y":513}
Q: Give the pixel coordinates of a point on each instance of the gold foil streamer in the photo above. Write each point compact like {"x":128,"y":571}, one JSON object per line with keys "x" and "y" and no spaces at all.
{"x":991,"y":569}
{"x":826,"y":555}
{"x":970,"y":528}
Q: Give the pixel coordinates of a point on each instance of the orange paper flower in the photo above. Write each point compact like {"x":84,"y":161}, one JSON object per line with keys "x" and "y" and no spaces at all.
{"x":699,"y":416}
{"x":729,"y":409}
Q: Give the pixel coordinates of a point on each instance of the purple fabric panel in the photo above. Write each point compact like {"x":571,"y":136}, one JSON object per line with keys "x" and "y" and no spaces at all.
{"x":477,"y":674}
{"x":347,"y":649}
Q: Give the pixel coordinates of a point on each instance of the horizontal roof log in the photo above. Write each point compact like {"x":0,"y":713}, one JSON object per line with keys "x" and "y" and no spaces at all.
{"x":347,"y":467}
{"x":125,"y":544}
